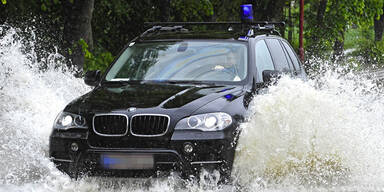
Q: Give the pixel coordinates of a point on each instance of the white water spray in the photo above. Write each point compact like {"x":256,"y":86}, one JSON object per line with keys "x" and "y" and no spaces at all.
{"x":29,"y":102}
{"x":325,"y":137}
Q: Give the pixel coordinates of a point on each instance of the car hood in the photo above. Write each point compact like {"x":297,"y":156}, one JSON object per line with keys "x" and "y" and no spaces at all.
{"x":186,"y":98}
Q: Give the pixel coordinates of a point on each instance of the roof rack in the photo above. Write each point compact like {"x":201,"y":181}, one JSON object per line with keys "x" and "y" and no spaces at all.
{"x":158,"y":27}
{"x":213,"y":23}
{"x":269,"y":27}
{"x":155,"y":29}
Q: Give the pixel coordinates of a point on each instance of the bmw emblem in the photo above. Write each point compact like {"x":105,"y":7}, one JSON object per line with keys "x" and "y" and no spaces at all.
{"x":131,"y":109}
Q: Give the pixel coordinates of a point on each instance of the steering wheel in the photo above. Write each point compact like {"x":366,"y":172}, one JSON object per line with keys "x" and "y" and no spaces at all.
{"x":227,"y":74}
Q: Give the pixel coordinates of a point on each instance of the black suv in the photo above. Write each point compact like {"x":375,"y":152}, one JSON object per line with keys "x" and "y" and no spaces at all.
{"x":172,"y":100}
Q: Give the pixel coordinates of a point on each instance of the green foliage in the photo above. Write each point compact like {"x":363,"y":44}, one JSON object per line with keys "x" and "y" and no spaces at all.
{"x":191,"y":10}
{"x":351,"y":36}
{"x":226,"y":10}
{"x":48,"y":5}
{"x":100,"y":60}
{"x":117,"y":22}
{"x":321,"y":33}
{"x":370,"y":52}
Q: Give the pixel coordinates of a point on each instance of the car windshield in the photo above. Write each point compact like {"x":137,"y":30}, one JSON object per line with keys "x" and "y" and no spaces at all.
{"x":181,"y":61}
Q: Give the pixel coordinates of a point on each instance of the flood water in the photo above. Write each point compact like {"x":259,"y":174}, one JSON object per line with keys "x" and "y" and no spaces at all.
{"x":319,"y":135}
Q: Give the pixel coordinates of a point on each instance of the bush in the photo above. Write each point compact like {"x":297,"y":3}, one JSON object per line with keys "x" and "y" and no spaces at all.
{"x":98,"y":60}
{"x":370,"y":53}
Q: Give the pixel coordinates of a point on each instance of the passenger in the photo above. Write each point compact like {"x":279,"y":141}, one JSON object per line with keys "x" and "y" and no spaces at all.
{"x":229,"y":66}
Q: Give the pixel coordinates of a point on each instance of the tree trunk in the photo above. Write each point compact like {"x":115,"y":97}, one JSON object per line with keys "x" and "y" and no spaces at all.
{"x":321,"y":12}
{"x":268,"y":10}
{"x":316,"y":36}
{"x":290,"y":24}
{"x":338,"y":48}
{"x":283,"y":18}
{"x":379,"y":27}
{"x":78,"y":16}
{"x":274,"y":11}
{"x":164,"y":10}
{"x":319,"y":19}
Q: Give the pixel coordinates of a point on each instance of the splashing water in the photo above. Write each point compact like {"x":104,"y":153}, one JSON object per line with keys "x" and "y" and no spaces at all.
{"x":29,"y":102}
{"x":328,"y":136}
{"x":320,"y":134}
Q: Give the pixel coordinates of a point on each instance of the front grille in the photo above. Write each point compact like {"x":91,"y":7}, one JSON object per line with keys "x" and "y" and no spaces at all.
{"x":148,"y":125}
{"x":110,"y":124}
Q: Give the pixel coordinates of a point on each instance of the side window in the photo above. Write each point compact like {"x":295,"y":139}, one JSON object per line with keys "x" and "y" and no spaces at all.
{"x":288,"y":58}
{"x":278,"y":55}
{"x":263,"y":58}
{"x":292,"y":55}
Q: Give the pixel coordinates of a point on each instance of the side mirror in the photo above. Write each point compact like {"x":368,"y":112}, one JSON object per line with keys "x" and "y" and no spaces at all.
{"x":92,"y":78}
{"x":268,"y":75}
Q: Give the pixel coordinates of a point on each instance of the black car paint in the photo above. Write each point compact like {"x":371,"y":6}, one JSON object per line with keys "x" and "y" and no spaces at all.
{"x":176,"y":100}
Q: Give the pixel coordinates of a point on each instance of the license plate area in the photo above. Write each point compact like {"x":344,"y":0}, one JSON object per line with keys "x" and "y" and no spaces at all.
{"x":124,"y":161}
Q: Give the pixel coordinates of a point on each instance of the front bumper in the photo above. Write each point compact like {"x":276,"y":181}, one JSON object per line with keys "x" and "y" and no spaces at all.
{"x":214,"y":152}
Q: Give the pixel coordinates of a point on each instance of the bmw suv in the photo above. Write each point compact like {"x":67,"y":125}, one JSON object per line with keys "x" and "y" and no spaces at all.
{"x":172,"y":100}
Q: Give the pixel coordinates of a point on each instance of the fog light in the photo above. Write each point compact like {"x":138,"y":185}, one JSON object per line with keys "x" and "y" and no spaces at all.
{"x":74,"y":147}
{"x":188,"y":147}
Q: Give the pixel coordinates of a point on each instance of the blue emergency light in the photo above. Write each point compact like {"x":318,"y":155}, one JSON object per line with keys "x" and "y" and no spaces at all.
{"x":246,"y":13}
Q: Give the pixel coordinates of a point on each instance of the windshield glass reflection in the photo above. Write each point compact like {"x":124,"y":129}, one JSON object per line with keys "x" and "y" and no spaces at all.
{"x":181,"y":61}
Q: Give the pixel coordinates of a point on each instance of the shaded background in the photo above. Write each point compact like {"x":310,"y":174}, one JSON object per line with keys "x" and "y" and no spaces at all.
{"x":90,"y":33}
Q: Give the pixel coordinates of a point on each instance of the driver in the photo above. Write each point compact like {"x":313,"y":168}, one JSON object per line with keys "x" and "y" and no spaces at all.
{"x":229,"y":66}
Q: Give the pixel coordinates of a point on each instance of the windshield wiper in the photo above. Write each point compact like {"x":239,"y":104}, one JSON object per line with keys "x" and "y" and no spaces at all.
{"x":173,"y":82}
{"x":121,"y":83}
{"x":190,"y":82}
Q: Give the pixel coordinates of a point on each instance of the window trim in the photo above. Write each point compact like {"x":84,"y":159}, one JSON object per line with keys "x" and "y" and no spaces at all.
{"x":273,"y":59}
{"x":287,"y":57}
{"x":294,"y":53}
{"x":255,"y":62}
{"x":269,"y":49}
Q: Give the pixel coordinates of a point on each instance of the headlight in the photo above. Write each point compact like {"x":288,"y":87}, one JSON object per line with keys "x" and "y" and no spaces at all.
{"x":205,"y":122}
{"x":67,"y":120}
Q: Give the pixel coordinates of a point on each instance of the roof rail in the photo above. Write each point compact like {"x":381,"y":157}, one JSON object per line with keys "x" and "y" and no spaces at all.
{"x":213,"y":23}
{"x":267,"y":27}
{"x":158,"y":27}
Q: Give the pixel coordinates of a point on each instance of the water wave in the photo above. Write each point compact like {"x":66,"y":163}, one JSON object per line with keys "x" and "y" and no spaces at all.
{"x":321,"y":133}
